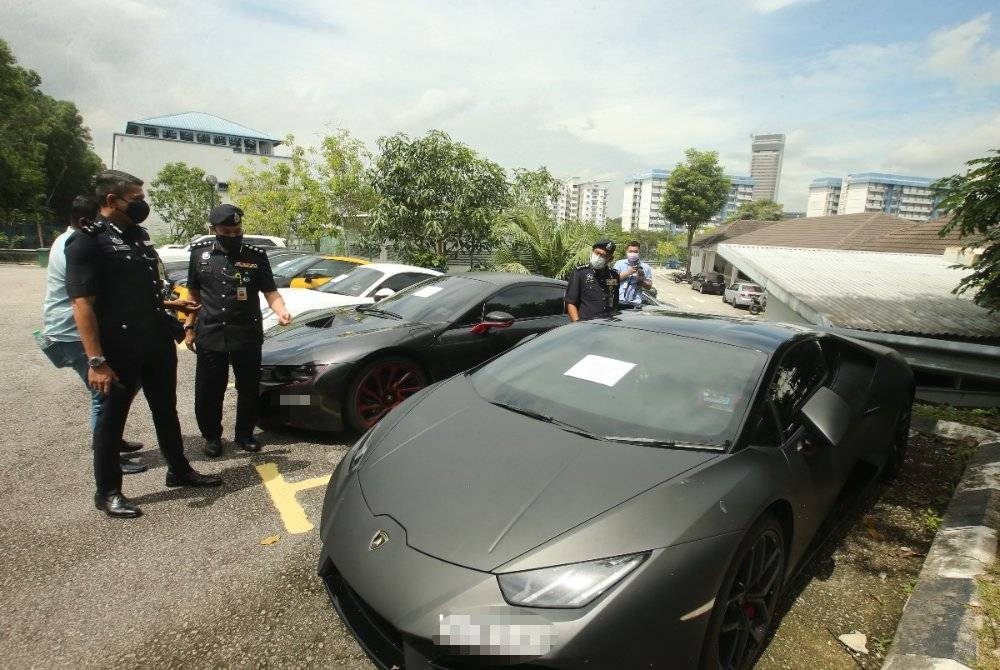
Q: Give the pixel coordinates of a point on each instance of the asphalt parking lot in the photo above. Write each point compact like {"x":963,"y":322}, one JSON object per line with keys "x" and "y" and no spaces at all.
{"x":682,"y":297}
{"x":189,"y":584}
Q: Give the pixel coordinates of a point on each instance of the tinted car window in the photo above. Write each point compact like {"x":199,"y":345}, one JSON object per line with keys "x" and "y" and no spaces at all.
{"x":527,"y":302}
{"x":331,"y":268}
{"x":354,"y":283}
{"x":402,"y":280}
{"x":438,"y":299}
{"x":601,"y":379}
{"x":259,"y":241}
{"x":292,"y":266}
{"x":801,"y":372}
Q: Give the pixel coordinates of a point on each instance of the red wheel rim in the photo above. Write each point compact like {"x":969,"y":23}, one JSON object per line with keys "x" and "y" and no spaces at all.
{"x":385,"y":386}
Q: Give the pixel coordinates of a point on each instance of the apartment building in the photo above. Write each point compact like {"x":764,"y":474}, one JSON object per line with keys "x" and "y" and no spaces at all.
{"x":585,"y":201}
{"x":908,"y":197}
{"x":824,"y":196}
{"x":643,"y":197}
{"x":766,"y":155}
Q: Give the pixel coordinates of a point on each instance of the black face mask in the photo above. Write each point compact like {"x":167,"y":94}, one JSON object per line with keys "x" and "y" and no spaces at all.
{"x":137,"y":210}
{"x":229,"y":243}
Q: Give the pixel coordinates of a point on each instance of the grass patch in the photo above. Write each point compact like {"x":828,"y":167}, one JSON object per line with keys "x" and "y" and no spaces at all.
{"x":988,"y":418}
{"x":989,"y":633}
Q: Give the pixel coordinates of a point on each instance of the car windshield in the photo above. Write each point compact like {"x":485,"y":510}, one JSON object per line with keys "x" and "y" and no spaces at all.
{"x":751,"y":288}
{"x":437,"y":299}
{"x":330,"y":267}
{"x":290,"y":267}
{"x":602,"y":380}
{"x":354,"y":283}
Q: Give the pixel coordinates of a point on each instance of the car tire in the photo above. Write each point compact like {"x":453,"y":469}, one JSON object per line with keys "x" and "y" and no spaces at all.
{"x":379,"y":386}
{"x":900,"y":442}
{"x":701,"y":289}
{"x":757,"y":570}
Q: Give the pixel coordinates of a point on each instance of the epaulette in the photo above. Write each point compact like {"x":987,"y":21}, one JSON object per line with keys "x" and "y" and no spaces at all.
{"x":582,"y":266}
{"x":203,"y":243}
{"x":92,"y":227}
{"x":254,"y":247}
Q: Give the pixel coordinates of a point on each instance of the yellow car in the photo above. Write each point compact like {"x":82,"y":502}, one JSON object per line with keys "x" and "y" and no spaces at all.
{"x":327,"y":268}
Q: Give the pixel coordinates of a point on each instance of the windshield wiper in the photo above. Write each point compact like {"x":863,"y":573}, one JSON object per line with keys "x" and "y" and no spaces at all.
{"x":665,"y":444}
{"x":375,"y":310}
{"x":569,"y":428}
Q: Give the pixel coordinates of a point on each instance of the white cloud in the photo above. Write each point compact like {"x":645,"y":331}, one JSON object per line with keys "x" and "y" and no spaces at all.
{"x":768,"y":6}
{"x":959,"y":53}
{"x":435,"y":107}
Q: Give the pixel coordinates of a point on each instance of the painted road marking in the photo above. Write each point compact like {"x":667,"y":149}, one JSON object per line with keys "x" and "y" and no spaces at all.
{"x":283,"y":496}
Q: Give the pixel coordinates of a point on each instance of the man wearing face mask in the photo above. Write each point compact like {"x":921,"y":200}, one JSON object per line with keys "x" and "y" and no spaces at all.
{"x":634,"y":276}
{"x":225,"y":276}
{"x":593,"y":288}
{"x":113,"y":277}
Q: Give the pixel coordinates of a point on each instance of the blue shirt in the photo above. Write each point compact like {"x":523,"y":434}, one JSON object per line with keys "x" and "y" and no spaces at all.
{"x":57,"y":310}
{"x":630,"y":291}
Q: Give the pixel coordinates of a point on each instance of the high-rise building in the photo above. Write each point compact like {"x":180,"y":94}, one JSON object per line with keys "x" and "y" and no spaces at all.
{"x":585,"y":201}
{"x":824,"y":196}
{"x":740,"y":191}
{"x":765,"y":165}
{"x":643,"y":197}
{"x":906,"y":197}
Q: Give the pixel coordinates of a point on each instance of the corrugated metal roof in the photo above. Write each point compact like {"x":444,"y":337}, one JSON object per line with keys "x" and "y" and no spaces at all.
{"x":840,"y":231}
{"x":200,"y":122}
{"x":729,"y":231}
{"x":920,"y":238}
{"x":864,"y":290}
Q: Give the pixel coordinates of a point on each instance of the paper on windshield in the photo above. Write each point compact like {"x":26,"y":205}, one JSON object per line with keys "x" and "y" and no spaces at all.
{"x":600,"y":370}
{"x":337,"y":278}
{"x":426,"y":291}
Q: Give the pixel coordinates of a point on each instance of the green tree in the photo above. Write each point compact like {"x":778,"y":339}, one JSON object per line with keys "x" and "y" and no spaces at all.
{"x":344,"y":164}
{"x":534,"y":189}
{"x":45,"y":151}
{"x":758,"y":210}
{"x":286,"y":198}
{"x":973,"y":201}
{"x":182,"y":198}
{"x":435,"y":195}
{"x":531,"y":242}
{"x":695,"y":191}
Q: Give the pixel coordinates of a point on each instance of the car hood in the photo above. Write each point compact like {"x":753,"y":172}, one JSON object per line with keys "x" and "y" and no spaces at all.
{"x":298,"y":300}
{"x":308,"y":344}
{"x":478,"y":485}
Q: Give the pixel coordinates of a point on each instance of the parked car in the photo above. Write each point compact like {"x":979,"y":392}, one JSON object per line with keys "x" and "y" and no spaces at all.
{"x":708,"y":282}
{"x":363,"y":285}
{"x":349,"y":370}
{"x":182,"y":252}
{"x":741,"y":293}
{"x":576,"y":491}
{"x":672,"y":264}
{"x":323,"y":270}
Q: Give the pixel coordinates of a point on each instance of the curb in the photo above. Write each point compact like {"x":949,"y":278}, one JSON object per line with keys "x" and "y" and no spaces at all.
{"x":939,"y":626}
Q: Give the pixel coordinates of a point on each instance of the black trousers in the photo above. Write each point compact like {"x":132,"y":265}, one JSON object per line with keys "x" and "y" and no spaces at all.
{"x":156,"y":371}
{"x":210,"y":379}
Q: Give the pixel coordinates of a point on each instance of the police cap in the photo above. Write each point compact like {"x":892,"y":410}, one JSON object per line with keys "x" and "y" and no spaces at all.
{"x":607,"y":245}
{"x":225,"y":215}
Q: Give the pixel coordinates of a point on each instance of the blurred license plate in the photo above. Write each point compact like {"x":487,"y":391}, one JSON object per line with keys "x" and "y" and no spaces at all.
{"x":295,"y":400}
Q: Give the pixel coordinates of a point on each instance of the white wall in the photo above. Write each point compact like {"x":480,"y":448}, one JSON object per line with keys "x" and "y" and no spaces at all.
{"x":144,"y":157}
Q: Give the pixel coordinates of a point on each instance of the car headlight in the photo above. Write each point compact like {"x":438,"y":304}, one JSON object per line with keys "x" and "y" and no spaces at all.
{"x":569,"y":586}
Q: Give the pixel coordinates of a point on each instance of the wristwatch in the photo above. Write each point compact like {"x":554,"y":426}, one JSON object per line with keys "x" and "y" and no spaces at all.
{"x":96,"y":361}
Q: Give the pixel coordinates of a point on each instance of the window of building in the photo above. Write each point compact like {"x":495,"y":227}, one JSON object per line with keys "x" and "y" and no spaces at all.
{"x":236,"y":143}
{"x":151,"y":132}
{"x":169,"y":134}
{"x":218,"y":139}
{"x":131,"y":129}
{"x":250,"y":146}
{"x":202,"y":138}
{"x":187,"y":136}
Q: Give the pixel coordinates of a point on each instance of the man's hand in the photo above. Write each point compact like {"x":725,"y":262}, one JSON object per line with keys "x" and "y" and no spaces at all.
{"x":101,"y":379}
{"x":182,"y":306}
{"x":189,"y":340}
{"x":284,"y":318}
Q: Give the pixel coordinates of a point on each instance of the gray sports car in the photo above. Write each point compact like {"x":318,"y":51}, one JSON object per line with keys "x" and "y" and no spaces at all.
{"x":622,"y":493}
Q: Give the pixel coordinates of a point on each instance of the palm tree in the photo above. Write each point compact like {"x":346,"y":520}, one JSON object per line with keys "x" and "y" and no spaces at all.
{"x":532,"y":242}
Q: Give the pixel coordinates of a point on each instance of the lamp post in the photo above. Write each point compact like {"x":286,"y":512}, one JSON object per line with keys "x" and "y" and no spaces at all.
{"x":211,"y":181}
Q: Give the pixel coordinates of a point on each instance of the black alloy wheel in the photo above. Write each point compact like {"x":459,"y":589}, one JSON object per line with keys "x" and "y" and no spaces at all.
{"x":378,"y":387}
{"x":743,"y":614}
{"x":900,"y":441}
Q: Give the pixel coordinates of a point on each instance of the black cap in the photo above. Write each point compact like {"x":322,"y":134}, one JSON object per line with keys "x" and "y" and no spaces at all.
{"x":607,"y":245}
{"x":225,"y":215}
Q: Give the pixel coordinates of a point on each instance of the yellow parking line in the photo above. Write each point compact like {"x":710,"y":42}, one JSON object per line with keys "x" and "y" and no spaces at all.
{"x":283,"y":496}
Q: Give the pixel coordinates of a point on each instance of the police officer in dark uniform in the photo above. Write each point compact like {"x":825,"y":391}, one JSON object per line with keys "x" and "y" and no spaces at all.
{"x":115,"y":280}
{"x":225,"y":276}
{"x":593,"y":288}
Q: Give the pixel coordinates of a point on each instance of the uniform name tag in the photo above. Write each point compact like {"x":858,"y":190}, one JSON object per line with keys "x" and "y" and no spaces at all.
{"x":241,"y":264}
{"x":241,"y":293}
{"x":122,"y":247}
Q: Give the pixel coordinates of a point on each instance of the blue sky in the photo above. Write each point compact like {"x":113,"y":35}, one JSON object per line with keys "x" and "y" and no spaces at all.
{"x":589,"y":89}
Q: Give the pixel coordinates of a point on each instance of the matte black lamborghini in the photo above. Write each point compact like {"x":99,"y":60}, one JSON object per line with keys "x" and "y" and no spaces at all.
{"x":621,"y":493}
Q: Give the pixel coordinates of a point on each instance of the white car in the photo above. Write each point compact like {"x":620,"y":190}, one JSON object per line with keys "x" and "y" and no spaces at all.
{"x":363,"y":285}
{"x":741,"y":293}
{"x":182,"y":252}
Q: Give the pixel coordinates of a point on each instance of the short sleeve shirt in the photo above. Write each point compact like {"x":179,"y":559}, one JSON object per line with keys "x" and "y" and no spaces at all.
{"x":230,"y":285}
{"x":630,"y":291}
{"x":593,"y":292}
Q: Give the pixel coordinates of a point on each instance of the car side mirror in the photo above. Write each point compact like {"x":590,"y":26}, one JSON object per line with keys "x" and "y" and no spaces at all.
{"x":383,"y":293}
{"x":828,"y":415}
{"x":495,"y":319}
{"x":312,"y":275}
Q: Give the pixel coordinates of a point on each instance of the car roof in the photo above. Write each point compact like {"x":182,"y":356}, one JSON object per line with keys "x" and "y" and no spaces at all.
{"x":505,"y":278}
{"x":349,"y":259}
{"x":767,"y":336}
{"x":400,"y":267}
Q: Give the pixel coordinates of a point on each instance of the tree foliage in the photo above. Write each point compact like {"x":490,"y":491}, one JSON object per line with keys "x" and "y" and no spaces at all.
{"x":695,"y":191}
{"x":435,"y":195}
{"x":182,"y":199}
{"x":45,"y":151}
{"x":973,"y":201}
{"x":758,"y":210}
{"x":529,"y":241}
{"x":534,"y":189}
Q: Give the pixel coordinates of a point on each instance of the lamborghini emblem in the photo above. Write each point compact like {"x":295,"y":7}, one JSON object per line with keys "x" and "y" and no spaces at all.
{"x":378,"y":540}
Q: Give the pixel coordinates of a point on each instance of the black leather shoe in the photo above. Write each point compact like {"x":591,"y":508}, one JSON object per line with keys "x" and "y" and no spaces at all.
{"x":130,"y":467}
{"x":248,"y":443}
{"x":213,"y":448}
{"x":192,"y":478}
{"x":128,"y":447}
{"x":116,"y":505}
